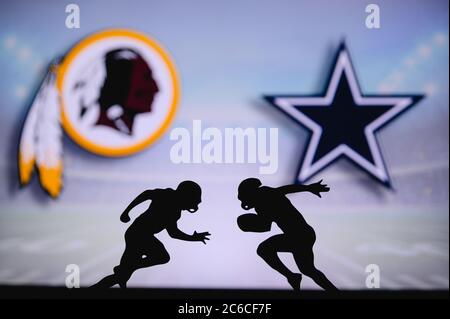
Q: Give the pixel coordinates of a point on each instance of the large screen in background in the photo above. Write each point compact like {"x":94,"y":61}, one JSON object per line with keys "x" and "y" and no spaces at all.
{"x":106,"y":105}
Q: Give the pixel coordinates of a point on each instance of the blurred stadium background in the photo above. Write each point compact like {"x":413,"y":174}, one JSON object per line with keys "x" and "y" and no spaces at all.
{"x":228,"y":54}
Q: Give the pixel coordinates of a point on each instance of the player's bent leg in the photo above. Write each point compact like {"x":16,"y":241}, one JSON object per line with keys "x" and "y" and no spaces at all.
{"x":123,"y":274}
{"x":156,"y":254}
{"x":106,"y":282}
{"x":128,"y":265}
{"x":319,"y":278}
{"x":305,"y":262}
{"x":268,"y":250}
{"x":154,"y":259}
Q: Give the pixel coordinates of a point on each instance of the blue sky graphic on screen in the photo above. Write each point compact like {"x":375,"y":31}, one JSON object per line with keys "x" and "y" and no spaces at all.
{"x":217,"y":93}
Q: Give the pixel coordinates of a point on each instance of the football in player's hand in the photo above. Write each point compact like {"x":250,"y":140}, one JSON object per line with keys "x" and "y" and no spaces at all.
{"x":251,"y":222}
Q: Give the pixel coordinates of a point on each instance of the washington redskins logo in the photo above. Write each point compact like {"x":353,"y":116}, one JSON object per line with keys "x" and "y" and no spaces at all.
{"x":114,"y":94}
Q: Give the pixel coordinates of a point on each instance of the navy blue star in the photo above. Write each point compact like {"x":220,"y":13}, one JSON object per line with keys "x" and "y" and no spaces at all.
{"x":343,"y":121}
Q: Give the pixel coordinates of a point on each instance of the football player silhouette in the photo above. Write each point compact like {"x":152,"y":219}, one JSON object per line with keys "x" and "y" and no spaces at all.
{"x":272,"y":205}
{"x":143,"y":249}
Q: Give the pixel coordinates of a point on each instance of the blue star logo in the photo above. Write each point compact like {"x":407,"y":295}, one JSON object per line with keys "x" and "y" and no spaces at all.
{"x":343,"y":122}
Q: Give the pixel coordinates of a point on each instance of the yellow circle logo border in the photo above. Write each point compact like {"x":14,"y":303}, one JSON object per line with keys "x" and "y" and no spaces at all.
{"x":110,"y":151}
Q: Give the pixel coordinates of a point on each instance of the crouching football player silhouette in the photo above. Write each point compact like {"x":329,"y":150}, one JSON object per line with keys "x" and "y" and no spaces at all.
{"x":143,"y":249}
{"x":272,"y":205}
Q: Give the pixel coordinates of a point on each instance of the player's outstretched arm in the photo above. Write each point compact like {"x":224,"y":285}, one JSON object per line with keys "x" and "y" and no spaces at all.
{"x":145,"y":195}
{"x":294,"y":188}
{"x":315,"y":188}
{"x":176,"y":233}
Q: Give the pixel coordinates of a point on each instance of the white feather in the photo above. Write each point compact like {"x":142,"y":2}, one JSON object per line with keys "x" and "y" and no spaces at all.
{"x":49,"y":138}
{"x":27,"y":145}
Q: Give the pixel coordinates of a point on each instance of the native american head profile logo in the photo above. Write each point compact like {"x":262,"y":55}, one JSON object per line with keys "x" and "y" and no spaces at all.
{"x":117,"y":88}
{"x":114,"y":94}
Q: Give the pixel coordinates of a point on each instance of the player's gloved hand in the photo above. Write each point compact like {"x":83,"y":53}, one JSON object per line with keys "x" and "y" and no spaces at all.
{"x":124,"y":218}
{"x":201,"y":236}
{"x":317,"y":188}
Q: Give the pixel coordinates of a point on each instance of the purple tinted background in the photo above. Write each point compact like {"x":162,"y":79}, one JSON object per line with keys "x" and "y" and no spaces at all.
{"x":228,"y":54}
